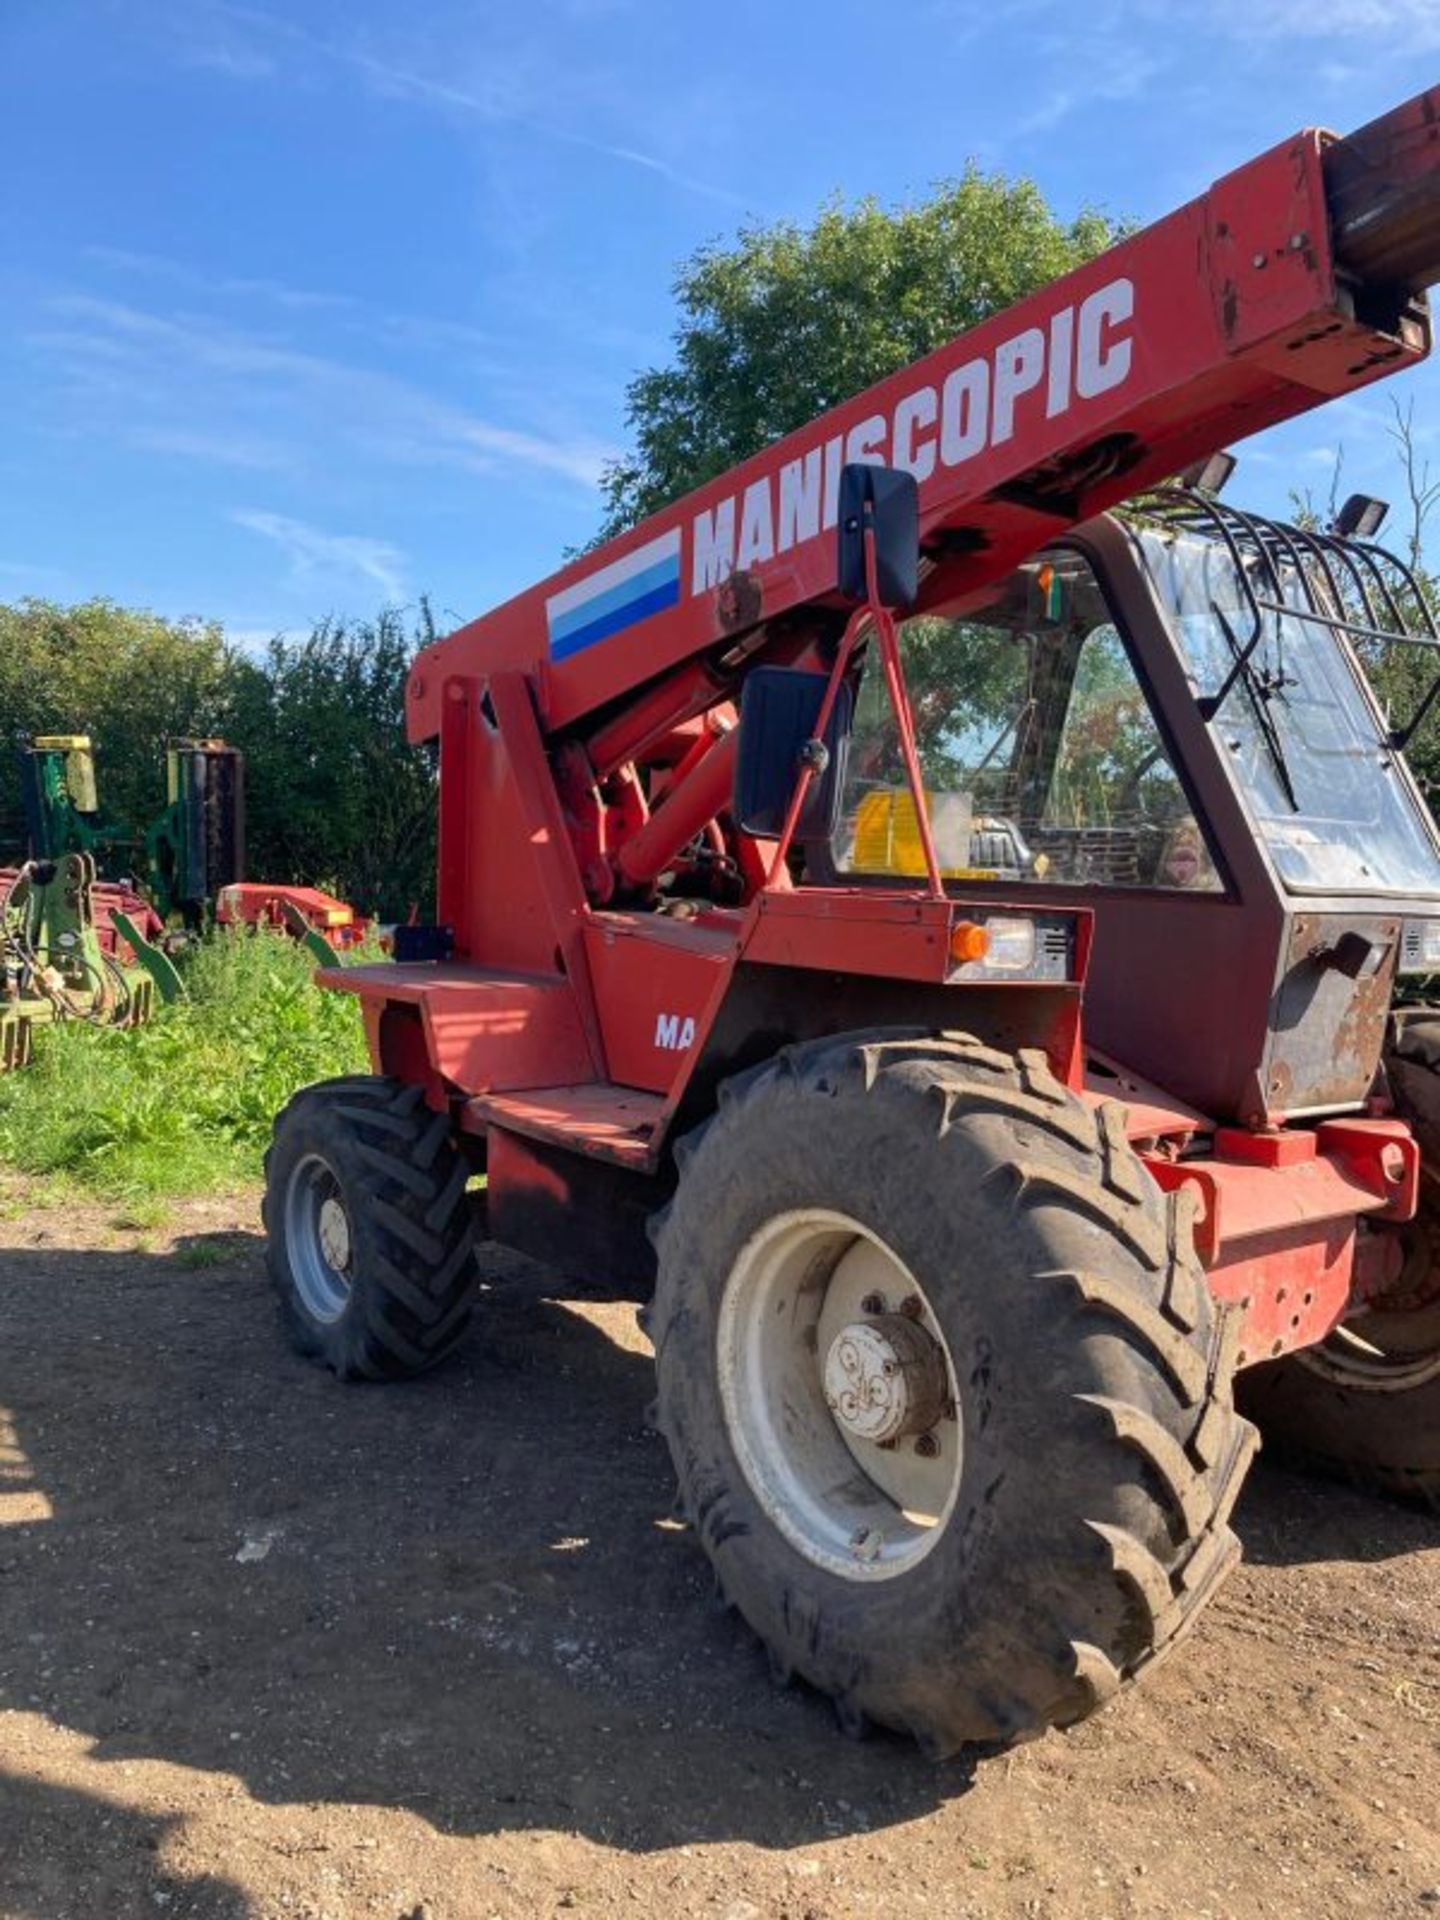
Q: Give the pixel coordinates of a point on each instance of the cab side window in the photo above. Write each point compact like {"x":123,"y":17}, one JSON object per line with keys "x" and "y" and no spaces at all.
{"x":1042,"y":760}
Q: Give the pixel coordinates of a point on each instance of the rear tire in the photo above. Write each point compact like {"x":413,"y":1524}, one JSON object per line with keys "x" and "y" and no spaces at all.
{"x":369,"y":1243}
{"x":1364,"y":1406}
{"x":1086,"y":1402}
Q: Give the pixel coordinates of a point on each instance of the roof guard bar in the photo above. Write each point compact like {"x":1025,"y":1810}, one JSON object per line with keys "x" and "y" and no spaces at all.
{"x":1288,"y":572}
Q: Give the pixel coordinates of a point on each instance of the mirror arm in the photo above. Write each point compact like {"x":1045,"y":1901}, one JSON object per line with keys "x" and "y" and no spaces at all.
{"x":809,"y":764}
{"x":883,"y":620}
{"x":905,"y":722}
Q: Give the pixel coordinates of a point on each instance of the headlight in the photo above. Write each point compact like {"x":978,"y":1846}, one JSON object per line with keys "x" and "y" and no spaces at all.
{"x":1012,"y":945}
{"x":1001,"y":943}
{"x":1420,"y":947}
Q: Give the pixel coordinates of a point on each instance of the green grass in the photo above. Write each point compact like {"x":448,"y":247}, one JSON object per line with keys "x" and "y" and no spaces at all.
{"x":184,"y":1105}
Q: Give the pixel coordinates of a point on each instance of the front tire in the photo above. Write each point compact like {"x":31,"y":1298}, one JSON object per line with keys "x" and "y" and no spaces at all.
{"x":368,"y":1237}
{"x":1047,"y":1509}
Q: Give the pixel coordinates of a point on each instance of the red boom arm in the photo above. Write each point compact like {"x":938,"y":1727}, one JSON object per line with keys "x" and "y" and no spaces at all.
{"x":1250,"y":305}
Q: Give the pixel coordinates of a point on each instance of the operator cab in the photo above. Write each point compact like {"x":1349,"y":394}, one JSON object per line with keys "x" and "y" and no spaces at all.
{"x":1165,"y":718}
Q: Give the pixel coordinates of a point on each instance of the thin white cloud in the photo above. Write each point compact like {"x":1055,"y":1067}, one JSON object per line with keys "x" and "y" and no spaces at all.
{"x":224,"y":56}
{"x":1393,"y":26}
{"x":1118,"y":50}
{"x":1122,"y":78}
{"x":500,"y":99}
{"x":504,"y":445}
{"x":22,"y":576}
{"x":313,"y":554}
{"x":215,"y":449}
{"x":428,"y":331}
{"x":190,"y":379}
{"x":158,"y":267}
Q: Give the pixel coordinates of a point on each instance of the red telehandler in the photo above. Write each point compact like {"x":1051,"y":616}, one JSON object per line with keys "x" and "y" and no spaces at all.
{"x":962,"y":925}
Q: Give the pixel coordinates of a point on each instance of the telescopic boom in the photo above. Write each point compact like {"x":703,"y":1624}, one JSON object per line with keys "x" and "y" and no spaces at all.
{"x":1296,"y":278}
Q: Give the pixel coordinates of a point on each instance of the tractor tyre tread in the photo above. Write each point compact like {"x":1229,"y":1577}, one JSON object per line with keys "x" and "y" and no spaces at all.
{"x":1140,"y":1563}
{"x":414,"y":1287}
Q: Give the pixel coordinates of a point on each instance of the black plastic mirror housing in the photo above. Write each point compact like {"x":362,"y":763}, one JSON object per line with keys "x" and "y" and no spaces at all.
{"x":779,"y":707}
{"x":888,"y":500}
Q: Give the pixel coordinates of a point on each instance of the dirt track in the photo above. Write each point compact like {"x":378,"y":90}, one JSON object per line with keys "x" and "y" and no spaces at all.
{"x":273,"y":1647}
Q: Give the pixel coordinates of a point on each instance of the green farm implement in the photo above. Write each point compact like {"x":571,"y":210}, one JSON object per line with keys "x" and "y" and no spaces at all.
{"x":56,"y":964}
{"x":181,"y":860}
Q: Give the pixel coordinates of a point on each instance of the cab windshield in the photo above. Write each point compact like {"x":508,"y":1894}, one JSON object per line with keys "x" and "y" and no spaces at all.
{"x":1296,"y":723}
{"x":1042,"y":761}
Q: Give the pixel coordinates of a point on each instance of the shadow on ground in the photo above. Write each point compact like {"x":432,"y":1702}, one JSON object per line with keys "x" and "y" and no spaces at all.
{"x":48,"y":1830}
{"x":1288,"y":1519}
{"x":463,"y":1596}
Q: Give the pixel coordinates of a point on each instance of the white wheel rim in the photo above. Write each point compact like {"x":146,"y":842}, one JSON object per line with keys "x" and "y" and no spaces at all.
{"x":815,"y":1298}
{"x":318,"y":1239}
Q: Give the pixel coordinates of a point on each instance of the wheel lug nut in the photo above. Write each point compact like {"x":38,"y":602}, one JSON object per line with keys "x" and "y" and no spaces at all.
{"x":873,"y":1303}
{"x":927,"y":1446}
{"x":912,"y":1306}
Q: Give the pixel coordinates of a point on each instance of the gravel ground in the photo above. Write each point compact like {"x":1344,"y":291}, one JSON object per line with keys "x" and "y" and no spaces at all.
{"x":270,"y":1646}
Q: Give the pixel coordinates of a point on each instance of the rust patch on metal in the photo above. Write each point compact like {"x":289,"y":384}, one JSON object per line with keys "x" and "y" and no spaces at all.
{"x":1328,"y":1023}
{"x":737,"y":604}
{"x":1229,"y":308}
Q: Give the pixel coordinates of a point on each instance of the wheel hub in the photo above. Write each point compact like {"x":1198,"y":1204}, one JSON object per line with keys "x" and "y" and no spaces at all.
{"x":319,"y":1243}
{"x":840,"y":1395}
{"x":884,"y":1379}
{"x":334,"y":1229}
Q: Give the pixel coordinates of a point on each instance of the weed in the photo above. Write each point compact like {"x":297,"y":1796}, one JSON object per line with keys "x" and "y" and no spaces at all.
{"x":200,"y":1254}
{"x":142,"y":1214}
{"x":185,"y":1104}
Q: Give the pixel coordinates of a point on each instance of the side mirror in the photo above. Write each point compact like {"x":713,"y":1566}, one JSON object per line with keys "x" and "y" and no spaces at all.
{"x":778,"y":710}
{"x":887,"y":500}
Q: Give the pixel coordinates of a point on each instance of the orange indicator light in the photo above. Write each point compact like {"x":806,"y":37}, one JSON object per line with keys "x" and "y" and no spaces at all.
{"x":968,"y":941}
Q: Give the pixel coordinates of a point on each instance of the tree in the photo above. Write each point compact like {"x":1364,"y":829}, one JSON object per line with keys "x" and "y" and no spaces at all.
{"x":1422,"y":492}
{"x":791,"y":320}
{"x":126,"y":677}
{"x":336,"y":796}
{"x":1402,"y":676}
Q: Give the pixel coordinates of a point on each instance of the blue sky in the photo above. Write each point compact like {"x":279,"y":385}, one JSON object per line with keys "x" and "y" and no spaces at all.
{"x":310,"y":306}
